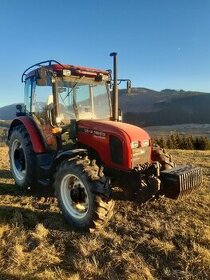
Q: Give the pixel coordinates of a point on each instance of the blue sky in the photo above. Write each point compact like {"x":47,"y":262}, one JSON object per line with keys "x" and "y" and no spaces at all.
{"x":160,"y":43}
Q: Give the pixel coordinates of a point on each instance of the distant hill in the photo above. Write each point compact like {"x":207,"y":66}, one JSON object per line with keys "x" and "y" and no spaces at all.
{"x":8,"y":112}
{"x":148,"y":107}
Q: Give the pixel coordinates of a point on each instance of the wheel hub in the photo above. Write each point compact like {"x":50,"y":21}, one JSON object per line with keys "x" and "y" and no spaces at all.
{"x":18,"y":160}
{"x":74,"y":196}
{"x":78,"y":195}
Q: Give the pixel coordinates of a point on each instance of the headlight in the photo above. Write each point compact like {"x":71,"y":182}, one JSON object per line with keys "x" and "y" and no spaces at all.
{"x":145,"y":143}
{"x":134,"y":144}
{"x":137,"y":144}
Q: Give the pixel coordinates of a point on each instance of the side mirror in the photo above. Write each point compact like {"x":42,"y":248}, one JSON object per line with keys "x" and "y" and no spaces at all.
{"x":19,"y":108}
{"x":22,"y":110}
{"x":129,"y":87}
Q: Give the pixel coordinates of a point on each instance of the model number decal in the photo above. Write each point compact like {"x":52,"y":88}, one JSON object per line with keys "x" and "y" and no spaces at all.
{"x":95,"y":132}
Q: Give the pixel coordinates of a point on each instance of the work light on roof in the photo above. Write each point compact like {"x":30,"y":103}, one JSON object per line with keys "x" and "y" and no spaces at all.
{"x":66,"y":72}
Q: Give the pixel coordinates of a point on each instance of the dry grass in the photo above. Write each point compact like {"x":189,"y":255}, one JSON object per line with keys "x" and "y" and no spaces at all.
{"x":162,"y":240}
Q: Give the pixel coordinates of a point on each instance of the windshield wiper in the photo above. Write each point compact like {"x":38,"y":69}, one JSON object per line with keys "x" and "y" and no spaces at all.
{"x":73,"y":88}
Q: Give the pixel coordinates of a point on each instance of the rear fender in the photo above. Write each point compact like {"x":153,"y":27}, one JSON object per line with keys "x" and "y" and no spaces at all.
{"x":33,"y":132}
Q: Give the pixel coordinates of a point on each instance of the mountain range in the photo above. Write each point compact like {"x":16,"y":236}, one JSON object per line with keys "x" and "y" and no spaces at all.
{"x":146,"y":107}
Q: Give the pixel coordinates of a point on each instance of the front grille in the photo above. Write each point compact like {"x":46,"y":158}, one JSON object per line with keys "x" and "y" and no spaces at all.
{"x":180,"y":181}
{"x":140,"y":156}
{"x":116,"y":149}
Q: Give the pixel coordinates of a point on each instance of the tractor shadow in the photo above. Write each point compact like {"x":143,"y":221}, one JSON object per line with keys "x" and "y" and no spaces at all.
{"x":28,"y":218}
{"x":6,"y":276}
{"x":10,"y":188}
{"x":13,"y":190}
{"x":5,"y":174}
{"x":31,"y":206}
{"x":120,"y":196}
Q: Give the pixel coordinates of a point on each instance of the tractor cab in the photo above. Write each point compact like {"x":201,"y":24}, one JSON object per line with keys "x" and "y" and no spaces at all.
{"x":57,"y":96}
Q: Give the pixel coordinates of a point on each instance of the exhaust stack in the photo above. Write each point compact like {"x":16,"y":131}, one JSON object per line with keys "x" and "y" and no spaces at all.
{"x":115,"y":87}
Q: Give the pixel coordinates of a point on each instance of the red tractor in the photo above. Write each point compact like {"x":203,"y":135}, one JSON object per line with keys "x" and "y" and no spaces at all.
{"x":68,"y":135}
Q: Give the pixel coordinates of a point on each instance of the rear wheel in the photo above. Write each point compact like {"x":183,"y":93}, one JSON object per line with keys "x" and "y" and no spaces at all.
{"x":21,"y":157}
{"x":76,"y":183}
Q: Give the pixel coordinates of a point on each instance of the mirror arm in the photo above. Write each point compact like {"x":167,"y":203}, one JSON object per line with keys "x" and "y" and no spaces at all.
{"x":128,"y":84}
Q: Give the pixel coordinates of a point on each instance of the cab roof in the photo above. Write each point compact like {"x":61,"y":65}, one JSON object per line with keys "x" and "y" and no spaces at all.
{"x":57,"y":67}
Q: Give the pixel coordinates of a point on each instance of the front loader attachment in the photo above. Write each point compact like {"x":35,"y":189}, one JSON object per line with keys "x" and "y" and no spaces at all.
{"x":180,"y":181}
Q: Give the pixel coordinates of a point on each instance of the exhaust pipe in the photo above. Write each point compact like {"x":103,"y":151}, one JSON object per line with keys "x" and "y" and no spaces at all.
{"x":115,"y":88}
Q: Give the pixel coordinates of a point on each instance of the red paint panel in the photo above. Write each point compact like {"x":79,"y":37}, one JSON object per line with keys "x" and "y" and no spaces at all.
{"x":32,"y":130}
{"x":87,"y":134}
{"x":76,"y":69}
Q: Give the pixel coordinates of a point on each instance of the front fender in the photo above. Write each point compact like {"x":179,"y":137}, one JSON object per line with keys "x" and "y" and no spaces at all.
{"x":70,"y":154}
{"x":102,"y":185}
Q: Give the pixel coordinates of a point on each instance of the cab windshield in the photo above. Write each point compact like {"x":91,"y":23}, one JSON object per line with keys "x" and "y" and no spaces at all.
{"x":82,"y":100}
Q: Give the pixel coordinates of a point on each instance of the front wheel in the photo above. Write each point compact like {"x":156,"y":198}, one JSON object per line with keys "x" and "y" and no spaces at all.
{"x":82,"y":207}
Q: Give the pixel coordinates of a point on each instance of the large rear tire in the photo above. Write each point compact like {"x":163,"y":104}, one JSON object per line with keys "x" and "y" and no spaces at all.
{"x":75,"y":184}
{"x":21,"y":157}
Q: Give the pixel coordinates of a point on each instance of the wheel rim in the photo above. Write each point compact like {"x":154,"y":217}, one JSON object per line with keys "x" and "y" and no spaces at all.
{"x":18,"y":160}
{"x":74,"y":196}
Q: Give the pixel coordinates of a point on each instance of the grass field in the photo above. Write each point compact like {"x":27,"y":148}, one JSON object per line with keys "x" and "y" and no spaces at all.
{"x":163,"y":239}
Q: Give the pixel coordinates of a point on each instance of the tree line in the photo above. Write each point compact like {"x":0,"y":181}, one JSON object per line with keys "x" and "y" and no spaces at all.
{"x":184,"y":142}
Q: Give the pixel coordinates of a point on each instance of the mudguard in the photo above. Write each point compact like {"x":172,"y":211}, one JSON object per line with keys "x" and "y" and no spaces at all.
{"x":66,"y":155}
{"x":33,"y":132}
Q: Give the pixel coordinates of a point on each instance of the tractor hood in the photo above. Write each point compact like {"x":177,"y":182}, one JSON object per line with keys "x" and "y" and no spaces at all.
{"x":118,"y":145}
{"x":134,"y":133}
